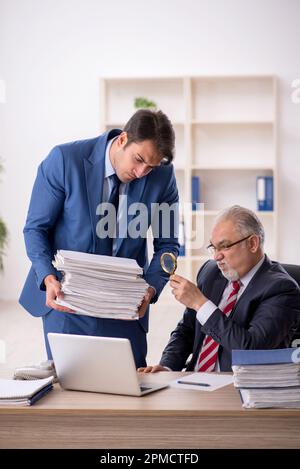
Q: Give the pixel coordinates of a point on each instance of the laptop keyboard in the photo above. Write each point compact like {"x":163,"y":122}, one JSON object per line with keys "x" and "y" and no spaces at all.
{"x":143,"y":388}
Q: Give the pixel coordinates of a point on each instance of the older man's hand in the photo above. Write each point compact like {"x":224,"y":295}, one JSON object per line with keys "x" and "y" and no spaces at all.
{"x":187,"y":292}
{"x":152,"y":369}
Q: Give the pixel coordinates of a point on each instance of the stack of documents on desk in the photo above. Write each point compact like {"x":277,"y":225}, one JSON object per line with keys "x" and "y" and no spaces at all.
{"x":267,"y":378}
{"x":23,"y":393}
{"x":100,"y":286}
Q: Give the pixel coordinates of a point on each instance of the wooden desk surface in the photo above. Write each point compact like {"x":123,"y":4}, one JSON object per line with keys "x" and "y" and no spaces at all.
{"x":167,"y":418}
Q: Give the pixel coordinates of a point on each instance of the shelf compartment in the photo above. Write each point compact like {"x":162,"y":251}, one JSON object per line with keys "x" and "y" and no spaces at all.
{"x":233,"y":146}
{"x":233,"y":98}
{"x":221,"y":188}
{"x":120,"y":95}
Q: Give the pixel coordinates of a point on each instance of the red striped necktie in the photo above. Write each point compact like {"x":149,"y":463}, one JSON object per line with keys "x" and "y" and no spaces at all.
{"x":209,"y":353}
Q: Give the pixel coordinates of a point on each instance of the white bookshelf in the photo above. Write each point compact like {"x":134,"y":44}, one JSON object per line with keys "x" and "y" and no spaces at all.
{"x":226,"y":133}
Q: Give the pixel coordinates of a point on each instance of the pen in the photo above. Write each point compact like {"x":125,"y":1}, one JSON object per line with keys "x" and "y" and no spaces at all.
{"x":193,"y":384}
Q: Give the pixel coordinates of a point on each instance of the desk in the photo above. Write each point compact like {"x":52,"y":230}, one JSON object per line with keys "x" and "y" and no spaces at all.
{"x":170,"y":418}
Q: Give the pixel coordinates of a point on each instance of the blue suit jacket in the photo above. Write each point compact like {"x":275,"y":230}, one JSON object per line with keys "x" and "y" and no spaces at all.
{"x":62,"y":215}
{"x":264,"y":317}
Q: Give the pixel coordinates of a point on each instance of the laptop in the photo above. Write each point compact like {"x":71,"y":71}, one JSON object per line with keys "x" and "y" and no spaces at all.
{"x":97,"y":364}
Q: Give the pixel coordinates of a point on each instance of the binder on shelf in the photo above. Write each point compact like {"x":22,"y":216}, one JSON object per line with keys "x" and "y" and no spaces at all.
{"x":264,"y":193}
{"x":195,"y":192}
{"x":181,"y":238}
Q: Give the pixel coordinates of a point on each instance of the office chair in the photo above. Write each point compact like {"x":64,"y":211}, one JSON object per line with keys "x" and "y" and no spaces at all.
{"x":294,"y":272}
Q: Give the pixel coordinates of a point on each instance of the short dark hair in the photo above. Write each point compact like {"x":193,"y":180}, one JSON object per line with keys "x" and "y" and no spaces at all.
{"x":155,"y":126}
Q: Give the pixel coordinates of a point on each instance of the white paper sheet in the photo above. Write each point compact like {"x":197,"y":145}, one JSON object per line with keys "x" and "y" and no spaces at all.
{"x":203,"y":381}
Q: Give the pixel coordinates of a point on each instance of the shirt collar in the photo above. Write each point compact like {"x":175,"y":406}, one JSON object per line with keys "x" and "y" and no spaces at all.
{"x":109,"y":170}
{"x":249,"y":275}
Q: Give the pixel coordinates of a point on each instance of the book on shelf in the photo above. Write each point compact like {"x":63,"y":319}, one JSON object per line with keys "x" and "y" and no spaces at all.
{"x":267,"y":378}
{"x":196,"y":196}
{"x":181,"y":238}
{"x":264,"y":193}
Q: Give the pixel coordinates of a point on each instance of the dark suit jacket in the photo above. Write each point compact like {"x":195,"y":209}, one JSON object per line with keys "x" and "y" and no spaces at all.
{"x":264,"y":317}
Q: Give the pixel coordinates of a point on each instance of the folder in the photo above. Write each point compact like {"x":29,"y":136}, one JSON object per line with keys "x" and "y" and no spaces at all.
{"x":181,"y":239}
{"x":263,"y":357}
{"x":195,"y":192}
{"x":264,"y":193}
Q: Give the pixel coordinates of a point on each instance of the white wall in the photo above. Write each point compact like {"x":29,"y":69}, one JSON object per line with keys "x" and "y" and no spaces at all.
{"x":52,"y":53}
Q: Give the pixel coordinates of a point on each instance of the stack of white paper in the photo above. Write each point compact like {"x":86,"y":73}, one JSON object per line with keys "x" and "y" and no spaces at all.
{"x":267,"y":378}
{"x":100,"y":286}
{"x":276,"y":397}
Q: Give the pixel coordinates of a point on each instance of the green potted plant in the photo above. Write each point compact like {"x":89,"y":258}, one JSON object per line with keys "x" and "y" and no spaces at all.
{"x":3,"y":235}
{"x":144,"y":103}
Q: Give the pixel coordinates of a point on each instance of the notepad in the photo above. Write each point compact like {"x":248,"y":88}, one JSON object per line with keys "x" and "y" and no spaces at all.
{"x":23,"y":393}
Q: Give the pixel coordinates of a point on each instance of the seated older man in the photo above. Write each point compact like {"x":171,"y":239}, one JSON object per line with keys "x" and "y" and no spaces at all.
{"x":242,"y":300}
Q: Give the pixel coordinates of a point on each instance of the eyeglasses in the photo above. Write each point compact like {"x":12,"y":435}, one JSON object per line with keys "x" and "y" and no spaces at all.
{"x":224,"y":247}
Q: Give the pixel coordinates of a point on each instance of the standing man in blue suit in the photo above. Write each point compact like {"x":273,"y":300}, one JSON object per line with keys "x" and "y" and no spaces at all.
{"x":64,"y":214}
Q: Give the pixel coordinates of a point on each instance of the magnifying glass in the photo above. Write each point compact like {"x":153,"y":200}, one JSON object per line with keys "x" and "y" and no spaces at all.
{"x":168,"y":262}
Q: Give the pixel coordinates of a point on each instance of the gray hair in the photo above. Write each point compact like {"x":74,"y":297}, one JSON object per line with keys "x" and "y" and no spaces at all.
{"x":245,"y":220}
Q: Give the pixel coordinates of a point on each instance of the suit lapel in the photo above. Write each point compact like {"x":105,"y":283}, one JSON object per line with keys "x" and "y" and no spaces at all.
{"x":215,"y":290}
{"x":244,"y":297}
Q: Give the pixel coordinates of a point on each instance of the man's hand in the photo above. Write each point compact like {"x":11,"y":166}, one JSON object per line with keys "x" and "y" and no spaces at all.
{"x":152,"y":369}
{"x":53,"y":290}
{"x":187,"y":292}
{"x":146,"y":300}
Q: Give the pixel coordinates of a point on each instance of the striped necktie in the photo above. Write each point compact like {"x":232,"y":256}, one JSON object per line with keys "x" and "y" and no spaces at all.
{"x":114,"y":194}
{"x":209,"y":353}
